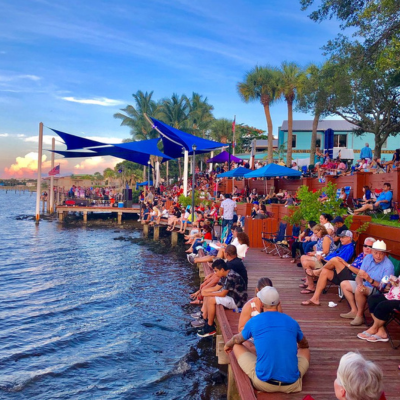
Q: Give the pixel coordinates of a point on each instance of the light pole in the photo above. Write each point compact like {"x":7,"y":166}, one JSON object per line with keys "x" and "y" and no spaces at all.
{"x":194,"y":147}
{"x":148,"y":175}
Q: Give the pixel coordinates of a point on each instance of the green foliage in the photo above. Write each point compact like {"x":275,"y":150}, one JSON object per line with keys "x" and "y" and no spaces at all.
{"x":310,"y":208}
{"x":187,"y":201}
{"x":135,"y":196}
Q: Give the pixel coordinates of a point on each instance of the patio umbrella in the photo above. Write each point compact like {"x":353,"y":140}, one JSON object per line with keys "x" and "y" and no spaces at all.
{"x":235,"y":173}
{"x":223,"y":157}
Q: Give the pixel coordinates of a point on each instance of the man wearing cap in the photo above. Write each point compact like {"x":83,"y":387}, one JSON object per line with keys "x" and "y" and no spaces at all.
{"x":345,"y":251}
{"x":374,"y":267}
{"x":383,"y":202}
{"x":338,"y":270}
{"x":227,"y":211}
{"x":283,"y":354}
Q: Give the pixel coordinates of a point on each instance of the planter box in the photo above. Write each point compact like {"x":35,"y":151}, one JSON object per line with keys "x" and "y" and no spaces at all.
{"x":244,"y":209}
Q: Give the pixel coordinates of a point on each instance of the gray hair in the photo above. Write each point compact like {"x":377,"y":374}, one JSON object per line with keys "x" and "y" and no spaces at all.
{"x":361,"y":379}
{"x":367,"y":144}
{"x":370,"y":239}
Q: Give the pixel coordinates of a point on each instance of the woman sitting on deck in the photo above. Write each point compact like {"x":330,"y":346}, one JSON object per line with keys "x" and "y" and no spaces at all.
{"x":242,"y":244}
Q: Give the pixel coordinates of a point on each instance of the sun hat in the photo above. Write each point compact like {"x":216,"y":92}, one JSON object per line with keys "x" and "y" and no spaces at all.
{"x":268,"y":296}
{"x":346,"y":233}
{"x":379,"y":245}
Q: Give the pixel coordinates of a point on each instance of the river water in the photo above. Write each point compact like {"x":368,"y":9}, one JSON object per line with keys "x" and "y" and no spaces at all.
{"x":85,"y":316}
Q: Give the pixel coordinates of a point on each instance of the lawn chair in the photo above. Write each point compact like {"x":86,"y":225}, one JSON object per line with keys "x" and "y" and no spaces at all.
{"x":270,"y":239}
{"x":394,"y":317}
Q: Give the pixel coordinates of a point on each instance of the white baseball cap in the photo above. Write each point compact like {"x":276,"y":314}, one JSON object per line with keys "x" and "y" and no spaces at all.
{"x":269,"y":296}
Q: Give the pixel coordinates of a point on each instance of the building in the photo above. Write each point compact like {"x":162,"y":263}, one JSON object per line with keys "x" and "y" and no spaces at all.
{"x":343,"y":138}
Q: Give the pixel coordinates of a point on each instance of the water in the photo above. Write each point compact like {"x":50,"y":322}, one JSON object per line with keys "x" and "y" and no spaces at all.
{"x":84,"y":316}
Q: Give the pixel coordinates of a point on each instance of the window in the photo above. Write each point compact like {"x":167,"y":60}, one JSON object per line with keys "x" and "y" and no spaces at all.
{"x":318,"y":141}
{"x":340,"y":140}
{"x":294,"y":141}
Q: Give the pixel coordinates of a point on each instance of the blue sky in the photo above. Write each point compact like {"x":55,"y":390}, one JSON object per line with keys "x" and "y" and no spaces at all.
{"x":73,"y":64}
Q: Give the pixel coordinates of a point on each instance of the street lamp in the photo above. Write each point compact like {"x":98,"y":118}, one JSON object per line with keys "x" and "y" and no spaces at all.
{"x":148,"y":174}
{"x":194,"y":147}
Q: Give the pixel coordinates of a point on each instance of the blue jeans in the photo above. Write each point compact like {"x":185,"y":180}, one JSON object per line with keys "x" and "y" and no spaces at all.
{"x":226,"y":222}
{"x":308,"y":246}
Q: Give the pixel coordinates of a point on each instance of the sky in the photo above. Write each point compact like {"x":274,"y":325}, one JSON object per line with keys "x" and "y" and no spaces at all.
{"x":73,"y":64}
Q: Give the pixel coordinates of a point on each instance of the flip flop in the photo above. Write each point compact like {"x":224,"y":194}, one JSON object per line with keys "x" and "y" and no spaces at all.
{"x":312,"y":273}
{"x":310,"y":303}
{"x":377,"y":338}
{"x":307,"y":291}
{"x":303,"y":286}
{"x":196,"y":302}
{"x":365,"y":333}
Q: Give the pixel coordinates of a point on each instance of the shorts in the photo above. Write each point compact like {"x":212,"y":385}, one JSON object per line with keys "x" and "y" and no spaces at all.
{"x":319,"y":263}
{"x":227,"y":302}
{"x":344,"y":275}
{"x":354,"y":287}
{"x":377,"y":208}
{"x":247,"y":362}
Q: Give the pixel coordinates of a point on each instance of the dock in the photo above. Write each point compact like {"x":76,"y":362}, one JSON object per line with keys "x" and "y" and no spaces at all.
{"x":329,"y":335}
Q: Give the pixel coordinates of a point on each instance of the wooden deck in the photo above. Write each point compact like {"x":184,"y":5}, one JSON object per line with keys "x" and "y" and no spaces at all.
{"x":329,"y":335}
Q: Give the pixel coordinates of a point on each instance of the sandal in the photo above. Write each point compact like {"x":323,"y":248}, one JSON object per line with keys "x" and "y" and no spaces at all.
{"x":303,"y":286}
{"x":307,"y":291}
{"x":310,"y":272}
{"x":196,"y":302}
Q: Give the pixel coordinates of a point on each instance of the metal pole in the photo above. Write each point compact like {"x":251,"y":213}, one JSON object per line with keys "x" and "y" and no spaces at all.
{"x":193,"y":181}
{"x":53,"y":147}
{"x":229,"y":159}
{"x":185,"y":173}
{"x":39,"y":173}
{"x":148,"y":175}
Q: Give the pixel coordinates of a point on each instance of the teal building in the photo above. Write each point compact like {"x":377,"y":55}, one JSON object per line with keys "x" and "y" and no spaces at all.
{"x":343,"y":138}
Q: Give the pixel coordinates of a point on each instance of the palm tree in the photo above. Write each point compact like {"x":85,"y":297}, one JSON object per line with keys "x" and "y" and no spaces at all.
{"x":290,"y":76}
{"x":200,"y":115}
{"x":221,"y":130}
{"x":261,"y":84}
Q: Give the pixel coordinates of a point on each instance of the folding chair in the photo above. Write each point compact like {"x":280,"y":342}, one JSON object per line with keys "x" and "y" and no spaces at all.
{"x":394,"y":317}
{"x":270,"y":239}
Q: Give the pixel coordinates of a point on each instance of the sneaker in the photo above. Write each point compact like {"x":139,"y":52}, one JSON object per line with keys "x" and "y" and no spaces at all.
{"x":198,"y":323}
{"x":196,"y":315}
{"x":349,"y":209}
{"x":207,"y":331}
{"x":139,"y":220}
{"x":351,"y":212}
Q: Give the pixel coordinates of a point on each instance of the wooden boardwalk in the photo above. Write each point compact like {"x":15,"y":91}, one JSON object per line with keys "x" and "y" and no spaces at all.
{"x":329,"y":335}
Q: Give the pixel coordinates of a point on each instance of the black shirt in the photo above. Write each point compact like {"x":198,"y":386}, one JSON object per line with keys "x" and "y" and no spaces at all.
{"x":237,"y":265}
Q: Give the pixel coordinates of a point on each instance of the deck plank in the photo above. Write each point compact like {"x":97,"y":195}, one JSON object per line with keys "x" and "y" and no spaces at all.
{"x":329,"y":335}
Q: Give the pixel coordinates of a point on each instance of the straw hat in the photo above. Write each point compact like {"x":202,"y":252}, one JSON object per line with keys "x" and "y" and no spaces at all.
{"x":380,"y":245}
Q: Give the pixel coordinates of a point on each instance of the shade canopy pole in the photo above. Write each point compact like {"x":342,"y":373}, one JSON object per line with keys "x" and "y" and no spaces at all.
{"x":211,"y":164}
{"x":53,"y":147}
{"x":185,"y":172}
{"x":39,"y":172}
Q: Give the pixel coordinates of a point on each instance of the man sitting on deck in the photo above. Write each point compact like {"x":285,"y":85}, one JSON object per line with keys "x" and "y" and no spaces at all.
{"x":283,"y":356}
{"x":229,"y":292}
{"x":338,"y":270}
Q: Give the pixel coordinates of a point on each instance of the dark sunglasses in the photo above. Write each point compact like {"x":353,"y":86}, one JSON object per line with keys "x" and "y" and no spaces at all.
{"x":365,"y":245}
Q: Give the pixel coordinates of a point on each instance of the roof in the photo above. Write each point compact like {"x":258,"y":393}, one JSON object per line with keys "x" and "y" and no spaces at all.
{"x":323,"y":125}
{"x":264,"y":143}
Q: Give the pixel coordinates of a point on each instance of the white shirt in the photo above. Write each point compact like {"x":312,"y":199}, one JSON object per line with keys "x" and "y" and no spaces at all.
{"x":241,"y":250}
{"x":228,"y":206}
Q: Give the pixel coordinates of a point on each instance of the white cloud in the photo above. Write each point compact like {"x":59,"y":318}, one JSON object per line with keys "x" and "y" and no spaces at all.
{"x":4,"y":135}
{"x":90,"y":163}
{"x":9,"y":78}
{"x":20,"y":135}
{"x":99,"y":101}
{"x":46,"y":139}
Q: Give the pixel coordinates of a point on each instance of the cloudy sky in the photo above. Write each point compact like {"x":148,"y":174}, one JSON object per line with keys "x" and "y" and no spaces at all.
{"x":73,"y":64}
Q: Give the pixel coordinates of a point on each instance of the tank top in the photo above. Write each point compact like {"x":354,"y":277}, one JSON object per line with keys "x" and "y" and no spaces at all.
{"x":320,"y":241}
{"x":254,"y":310}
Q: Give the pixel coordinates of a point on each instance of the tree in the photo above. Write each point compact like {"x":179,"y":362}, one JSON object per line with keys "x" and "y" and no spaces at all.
{"x":376,"y":22}
{"x":313,"y":98}
{"x":200,"y":115}
{"x":134,"y":116}
{"x":290,"y":77}
{"x":128,"y":171}
{"x":221,"y":130}
{"x":364,"y":95}
{"x":245,"y":134}
{"x":261,"y":84}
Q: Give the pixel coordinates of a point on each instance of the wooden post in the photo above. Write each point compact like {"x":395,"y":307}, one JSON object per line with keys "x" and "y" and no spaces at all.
{"x":39,"y":173}
{"x":146,"y":230}
{"x":233,"y":393}
{"x":223,"y":358}
{"x":174,"y":239}
{"x":156,"y":233}
{"x":85,"y":217}
{"x":43,"y":205}
{"x":119,"y":218}
{"x":185,"y":173}
{"x":60,"y":215}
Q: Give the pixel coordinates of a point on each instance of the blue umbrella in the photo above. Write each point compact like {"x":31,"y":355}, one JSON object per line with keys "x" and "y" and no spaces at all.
{"x":272,"y":170}
{"x":235,"y":173}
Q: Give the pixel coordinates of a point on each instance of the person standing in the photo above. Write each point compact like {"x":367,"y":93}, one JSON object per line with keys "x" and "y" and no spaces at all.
{"x":227,"y":211}
{"x":366,"y":153}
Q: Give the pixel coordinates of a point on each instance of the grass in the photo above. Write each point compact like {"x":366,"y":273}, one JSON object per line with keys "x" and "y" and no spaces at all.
{"x":387,"y":222}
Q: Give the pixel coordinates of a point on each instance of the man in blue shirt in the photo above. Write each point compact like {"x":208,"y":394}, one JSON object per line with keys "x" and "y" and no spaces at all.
{"x":366,"y":152}
{"x":383,"y":202}
{"x":374,"y":267}
{"x":338,"y":270}
{"x":283,"y":354}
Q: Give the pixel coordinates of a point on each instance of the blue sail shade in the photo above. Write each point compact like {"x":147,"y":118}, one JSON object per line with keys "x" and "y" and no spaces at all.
{"x":75,"y":142}
{"x":272,"y":170}
{"x":235,"y":173}
{"x":174,"y":140}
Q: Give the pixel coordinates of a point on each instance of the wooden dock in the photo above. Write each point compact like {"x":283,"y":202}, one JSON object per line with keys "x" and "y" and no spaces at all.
{"x":64,"y":210}
{"x":329,"y":335}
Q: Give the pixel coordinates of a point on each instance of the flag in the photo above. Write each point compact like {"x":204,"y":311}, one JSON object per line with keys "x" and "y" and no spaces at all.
{"x":55,"y":171}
